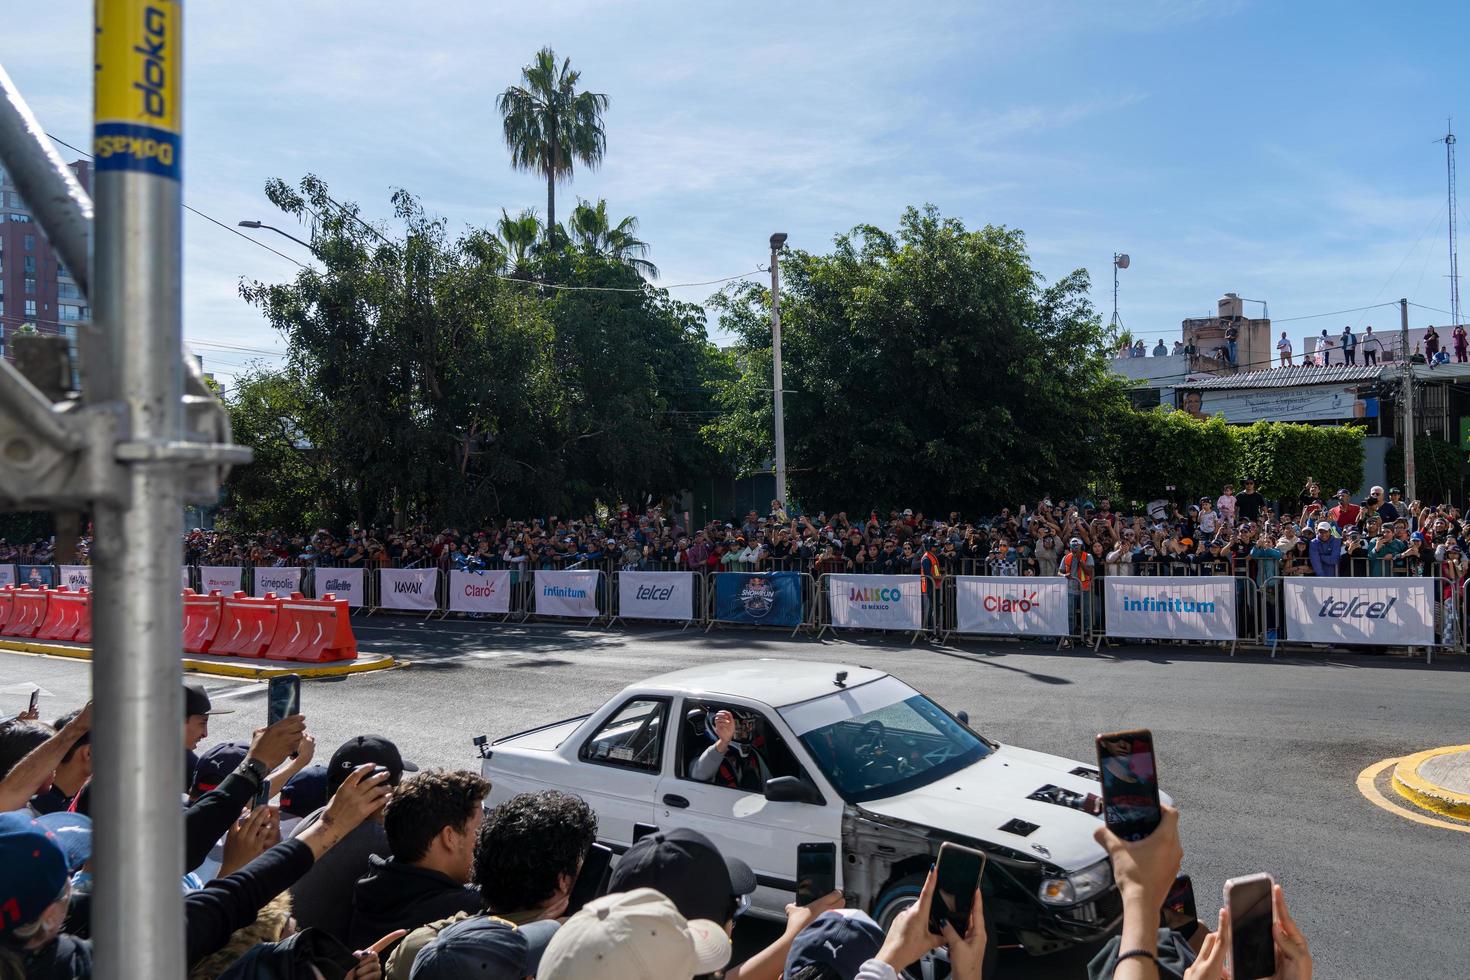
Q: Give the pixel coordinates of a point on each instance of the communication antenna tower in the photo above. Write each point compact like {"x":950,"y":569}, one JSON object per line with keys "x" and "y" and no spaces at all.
{"x":1449,"y":161}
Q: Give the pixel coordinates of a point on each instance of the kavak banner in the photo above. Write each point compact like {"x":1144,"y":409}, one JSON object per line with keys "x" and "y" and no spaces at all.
{"x":758,"y":598}
{"x":1162,"y":607}
{"x":7,"y":575}
{"x":222,"y":577}
{"x":1397,"y":611}
{"x":76,"y":577}
{"x":281,"y":581}
{"x":1010,"y":605}
{"x":567,"y":593}
{"x":876,"y":602}
{"x":656,"y":595}
{"x":409,"y":588}
{"x":344,"y":583}
{"x":485,"y":591}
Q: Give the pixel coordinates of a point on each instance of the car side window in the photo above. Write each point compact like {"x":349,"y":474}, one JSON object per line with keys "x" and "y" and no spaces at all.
{"x":632,"y":738}
{"x":765,"y":743}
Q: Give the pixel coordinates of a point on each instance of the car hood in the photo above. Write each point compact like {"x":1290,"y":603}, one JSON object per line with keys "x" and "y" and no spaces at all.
{"x":979,"y":799}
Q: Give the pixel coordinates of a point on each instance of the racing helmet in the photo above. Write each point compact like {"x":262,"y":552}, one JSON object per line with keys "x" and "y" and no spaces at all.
{"x":746,"y":723}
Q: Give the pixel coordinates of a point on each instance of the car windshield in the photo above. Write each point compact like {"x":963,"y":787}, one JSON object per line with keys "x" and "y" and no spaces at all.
{"x":883,"y":739}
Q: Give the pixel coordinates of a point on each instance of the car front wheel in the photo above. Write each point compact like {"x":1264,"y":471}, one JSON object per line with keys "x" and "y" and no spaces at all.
{"x":933,"y":966}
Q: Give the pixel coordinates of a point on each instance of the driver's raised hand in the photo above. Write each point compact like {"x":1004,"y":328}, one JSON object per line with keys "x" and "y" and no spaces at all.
{"x":724,"y":729}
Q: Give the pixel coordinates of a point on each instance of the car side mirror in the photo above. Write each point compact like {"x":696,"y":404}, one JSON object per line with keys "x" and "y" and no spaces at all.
{"x":790,"y":789}
{"x":964,"y":717}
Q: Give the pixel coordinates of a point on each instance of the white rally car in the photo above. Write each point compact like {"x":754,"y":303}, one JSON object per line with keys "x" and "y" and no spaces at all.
{"x":847,"y":755}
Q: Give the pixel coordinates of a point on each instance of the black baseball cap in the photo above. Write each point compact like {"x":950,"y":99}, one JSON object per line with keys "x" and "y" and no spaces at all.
{"x":305,"y":792}
{"x":374,"y":750}
{"x":216,"y":763}
{"x":688,"y":869}
{"x":196,"y":702}
{"x":485,"y":947}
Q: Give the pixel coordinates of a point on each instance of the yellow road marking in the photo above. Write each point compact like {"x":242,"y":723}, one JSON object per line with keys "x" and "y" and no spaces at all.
{"x":1370,"y":792}
{"x":1421,"y":792}
{"x":213,"y":668}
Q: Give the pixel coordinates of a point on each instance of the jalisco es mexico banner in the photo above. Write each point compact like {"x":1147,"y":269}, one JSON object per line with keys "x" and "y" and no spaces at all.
{"x":567,"y":593}
{"x":485,"y":591}
{"x":876,"y":602}
{"x":281,"y":581}
{"x":409,"y":588}
{"x":344,"y":583}
{"x":224,"y":578}
{"x":1398,"y":611}
{"x":1011,"y":605}
{"x":656,"y":595}
{"x":1163,"y":607}
{"x":758,"y":598}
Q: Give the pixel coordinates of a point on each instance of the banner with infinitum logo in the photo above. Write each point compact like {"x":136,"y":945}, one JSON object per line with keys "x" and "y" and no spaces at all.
{"x":409,"y":588}
{"x":876,"y":602}
{"x":1167,"y":607}
{"x":1397,"y":611}
{"x":1011,"y":605}
{"x":656,"y":595}
{"x":567,"y":593}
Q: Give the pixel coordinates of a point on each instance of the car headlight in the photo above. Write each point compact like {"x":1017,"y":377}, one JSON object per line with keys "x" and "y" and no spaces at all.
{"x":1078,"y":886}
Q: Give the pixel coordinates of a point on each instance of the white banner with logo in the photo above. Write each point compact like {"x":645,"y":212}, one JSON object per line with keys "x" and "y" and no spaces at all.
{"x":1011,"y":605}
{"x":185,"y":582}
{"x":7,"y":575}
{"x":222,"y":577}
{"x":344,"y":583}
{"x":1165,"y":607}
{"x":76,"y":577}
{"x":480,"y":592}
{"x":656,"y":595}
{"x":1397,"y":611}
{"x":409,"y":588}
{"x":876,"y":602}
{"x":567,"y":593}
{"x":281,"y":581}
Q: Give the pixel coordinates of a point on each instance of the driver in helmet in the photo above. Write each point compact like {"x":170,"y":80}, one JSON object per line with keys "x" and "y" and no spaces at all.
{"x":735,"y":759}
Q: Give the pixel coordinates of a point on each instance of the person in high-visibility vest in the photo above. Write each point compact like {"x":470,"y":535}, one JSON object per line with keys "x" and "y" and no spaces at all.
{"x":1077,"y":567}
{"x":930,"y":575}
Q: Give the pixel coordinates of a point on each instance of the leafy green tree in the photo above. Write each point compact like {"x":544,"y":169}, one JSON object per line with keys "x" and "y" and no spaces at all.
{"x":1439,"y":469}
{"x":594,"y":233}
{"x":287,"y":484}
{"x":1164,"y":454}
{"x":550,"y":126}
{"x":519,"y":237}
{"x":931,"y":366}
{"x":1283,"y":456}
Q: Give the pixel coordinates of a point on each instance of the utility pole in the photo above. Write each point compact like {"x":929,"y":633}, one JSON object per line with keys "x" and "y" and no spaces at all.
{"x":1449,"y":162}
{"x":778,"y":242}
{"x":1408,"y":402}
{"x":1120,"y":261}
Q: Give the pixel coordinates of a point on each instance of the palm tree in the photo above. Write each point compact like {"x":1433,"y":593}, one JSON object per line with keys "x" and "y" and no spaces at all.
{"x":597,"y":235}
{"x":549,"y":125}
{"x":519,"y":234}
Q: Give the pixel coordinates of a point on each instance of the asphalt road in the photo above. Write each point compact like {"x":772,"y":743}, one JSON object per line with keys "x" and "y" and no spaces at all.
{"x":1261,"y":755}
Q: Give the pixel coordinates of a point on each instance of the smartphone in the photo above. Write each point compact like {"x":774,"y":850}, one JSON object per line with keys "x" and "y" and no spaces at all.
{"x":1252,"y":922}
{"x":262,"y":795}
{"x":959,"y":870}
{"x":1130,"y":783}
{"x":592,"y":879}
{"x":816,"y":872}
{"x":1179,"y":910}
{"x":283,"y":698}
{"x":35,"y":702}
{"x":642,"y":830}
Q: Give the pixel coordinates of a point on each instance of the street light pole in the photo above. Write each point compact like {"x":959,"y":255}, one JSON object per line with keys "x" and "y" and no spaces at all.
{"x":778,"y":242}
{"x":1408,"y":400}
{"x":257,"y":224}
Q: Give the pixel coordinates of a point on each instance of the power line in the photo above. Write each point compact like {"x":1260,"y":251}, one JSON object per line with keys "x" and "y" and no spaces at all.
{"x":1318,"y":316}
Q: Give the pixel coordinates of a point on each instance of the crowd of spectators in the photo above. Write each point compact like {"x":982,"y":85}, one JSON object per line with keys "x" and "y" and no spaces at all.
{"x":367,"y":867}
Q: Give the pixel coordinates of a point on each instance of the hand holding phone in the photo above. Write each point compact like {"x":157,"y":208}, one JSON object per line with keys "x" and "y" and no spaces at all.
{"x":283,"y":698}
{"x":34,"y":711}
{"x":957,"y":873}
{"x":592,"y":880}
{"x":1130,"y":783}
{"x":816,"y":872}
{"x":262,"y":795}
{"x":1252,"y":927}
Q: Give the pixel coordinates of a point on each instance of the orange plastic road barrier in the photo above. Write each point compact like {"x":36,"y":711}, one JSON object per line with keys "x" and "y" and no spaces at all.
{"x":247,"y":625}
{"x":84,"y":627}
{"x":28,"y":612}
{"x":7,"y":605}
{"x":65,"y":613}
{"x":202,"y":617}
{"x":313,"y":630}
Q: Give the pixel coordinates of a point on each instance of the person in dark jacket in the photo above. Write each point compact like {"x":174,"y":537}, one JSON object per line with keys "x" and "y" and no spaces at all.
{"x":213,"y":813}
{"x":431,"y":823}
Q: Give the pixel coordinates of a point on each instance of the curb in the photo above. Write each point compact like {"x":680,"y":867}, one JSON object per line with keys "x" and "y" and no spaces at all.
{"x":1421,"y":792}
{"x":215,"y":668}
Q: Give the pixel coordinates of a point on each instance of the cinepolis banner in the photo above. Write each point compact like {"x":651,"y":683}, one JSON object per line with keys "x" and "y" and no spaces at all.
{"x":1162,"y":607}
{"x":344,"y":583}
{"x":416,"y":589}
{"x":875,"y":602}
{"x":567,"y":593}
{"x":7,"y":575}
{"x":485,"y":591}
{"x":225,"y":578}
{"x":1011,"y":605}
{"x":76,"y":577}
{"x":656,"y":595}
{"x":281,"y":581}
{"x":1397,"y":611}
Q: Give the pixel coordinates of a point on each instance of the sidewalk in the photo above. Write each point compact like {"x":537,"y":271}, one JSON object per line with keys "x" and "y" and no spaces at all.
{"x":219,"y":666}
{"x":1437,"y":780}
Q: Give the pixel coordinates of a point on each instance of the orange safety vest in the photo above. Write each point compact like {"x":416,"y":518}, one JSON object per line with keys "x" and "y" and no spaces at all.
{"x":934,"y":565}
{"x":1082,"y":577}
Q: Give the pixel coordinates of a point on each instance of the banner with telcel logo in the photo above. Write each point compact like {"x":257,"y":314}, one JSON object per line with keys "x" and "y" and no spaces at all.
{"x":343,"y":583}
{"x":224,"y":578}
{"x":487,"y":591}
{"x":1161,"y":607}
{"x":76,"y":577}
{"x":409,"y":588}
{"x":1011,"y":605}
{"x":567,"y":593}
{"x":758,"y":598}
{"x":656,"y":595}
{"x":875,"y":602}
{"x":1397,"y":611}
{"x":7,"y":575}
{"x":281,"y":581}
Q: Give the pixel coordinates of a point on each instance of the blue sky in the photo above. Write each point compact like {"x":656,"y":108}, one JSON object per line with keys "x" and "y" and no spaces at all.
{"x":1283,"y":151}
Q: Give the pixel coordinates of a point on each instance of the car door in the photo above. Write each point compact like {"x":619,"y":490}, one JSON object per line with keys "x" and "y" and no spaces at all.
{"x":618,"y":766}
{"x":742,"y":823}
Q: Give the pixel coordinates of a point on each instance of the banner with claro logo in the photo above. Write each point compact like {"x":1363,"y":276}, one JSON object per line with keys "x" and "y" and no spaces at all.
{"x":224,"y":578}
{"x":409,"y":588}
{"x":1386,"y":611}
{"x":875,"y":602}
{"x":567,"y":593}
{"x":344,"y":583}
{"x":281,"y":581}
{"x":1162,"y":607}
{"x":485,"y":591}
{"x":758,"y":598}
{"x":76,"y":577}
{"x":1011,"y":605}
{"x":656,"y":595}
